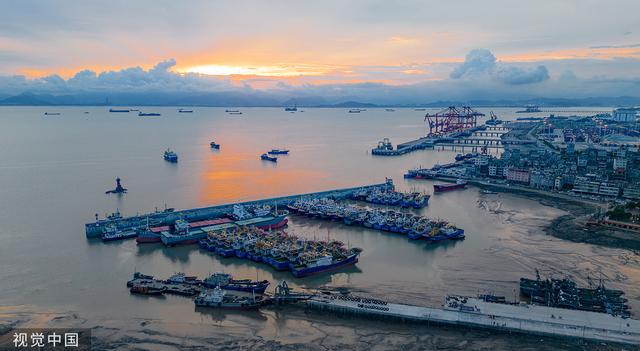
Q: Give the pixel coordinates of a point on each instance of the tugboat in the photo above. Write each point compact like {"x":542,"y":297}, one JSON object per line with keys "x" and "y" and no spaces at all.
{"x":118,"y":190}
{"x":278,"y":152}
{"x":214,"y":145}
{"x":226,"y":282}
{"x":218,"y":298}
{"x":170,"y":156}
{"x":266,"y":157}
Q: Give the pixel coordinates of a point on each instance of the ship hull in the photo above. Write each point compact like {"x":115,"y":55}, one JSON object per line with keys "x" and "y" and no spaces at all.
{"x":440,"y":188}
{"x":305,"y":272}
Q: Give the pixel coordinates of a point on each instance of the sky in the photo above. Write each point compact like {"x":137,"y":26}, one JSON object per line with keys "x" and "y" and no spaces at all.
{"x":372,"y":50}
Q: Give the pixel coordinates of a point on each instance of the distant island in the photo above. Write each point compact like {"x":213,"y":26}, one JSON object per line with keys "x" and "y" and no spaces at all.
{"x":262,"y":99}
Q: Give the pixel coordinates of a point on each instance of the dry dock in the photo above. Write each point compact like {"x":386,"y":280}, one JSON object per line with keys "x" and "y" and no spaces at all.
{"x":95,"y":229}
{"x":476,"y":313}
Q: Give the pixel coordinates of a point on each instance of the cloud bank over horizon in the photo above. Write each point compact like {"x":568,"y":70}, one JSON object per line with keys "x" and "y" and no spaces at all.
{"x":480,"y":76}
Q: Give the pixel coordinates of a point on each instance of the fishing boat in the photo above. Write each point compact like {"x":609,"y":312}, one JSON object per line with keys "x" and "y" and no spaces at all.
{"x":319,"y":263}
{"x":459,"y":184}
{"x":278,"y":152}
{"x":214,"y":145}
{"x":218,"y":298}
{"x":170,"y":156}
{"x":226,"y":282}
{"x":266,"y":157}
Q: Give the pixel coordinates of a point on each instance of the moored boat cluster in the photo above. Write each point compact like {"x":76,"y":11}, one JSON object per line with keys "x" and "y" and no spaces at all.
{"x":414,"y":226}
{"x":390,"y":197}
{"x":280,"y":250}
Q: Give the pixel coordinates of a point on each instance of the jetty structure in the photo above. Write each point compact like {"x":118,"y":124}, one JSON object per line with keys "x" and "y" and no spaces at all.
{"x":169,"y":216}
{"x":484,"y":313}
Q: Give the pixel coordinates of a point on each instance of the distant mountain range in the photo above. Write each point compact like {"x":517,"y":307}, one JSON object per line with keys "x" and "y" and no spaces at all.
{"x":260,"y":99}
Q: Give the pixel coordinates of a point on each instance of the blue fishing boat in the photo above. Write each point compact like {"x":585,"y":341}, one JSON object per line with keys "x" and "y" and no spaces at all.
{"x":266,"y":157}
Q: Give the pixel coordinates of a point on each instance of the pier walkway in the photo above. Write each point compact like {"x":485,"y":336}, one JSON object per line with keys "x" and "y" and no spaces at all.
{"x":472,"y":312}
{"x":95,"y":229}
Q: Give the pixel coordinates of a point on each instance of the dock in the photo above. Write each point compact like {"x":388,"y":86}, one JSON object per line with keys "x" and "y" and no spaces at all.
{"x":479,"y":136}
{"x":161,"y":218}
{"x":504,"y":317}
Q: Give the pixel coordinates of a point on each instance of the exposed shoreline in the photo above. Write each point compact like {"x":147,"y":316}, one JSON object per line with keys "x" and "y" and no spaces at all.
{"x":572,"y":226}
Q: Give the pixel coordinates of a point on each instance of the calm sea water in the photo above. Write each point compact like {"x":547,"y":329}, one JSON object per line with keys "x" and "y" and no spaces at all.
{"x":54,"y":171}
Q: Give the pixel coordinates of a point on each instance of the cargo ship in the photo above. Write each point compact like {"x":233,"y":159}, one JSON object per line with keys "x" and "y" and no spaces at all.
{"x":440,"y":188}
{"x":219,"y":298}
{"x":147,"y":114}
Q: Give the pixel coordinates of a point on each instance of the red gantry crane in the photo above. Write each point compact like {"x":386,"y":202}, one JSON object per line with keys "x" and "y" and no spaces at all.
{"x":451,"y":120}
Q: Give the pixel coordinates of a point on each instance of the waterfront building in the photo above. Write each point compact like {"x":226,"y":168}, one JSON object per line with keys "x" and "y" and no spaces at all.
{"x":632,"y":192}
{"x":518,"y":175}
{"x":625,"y":114}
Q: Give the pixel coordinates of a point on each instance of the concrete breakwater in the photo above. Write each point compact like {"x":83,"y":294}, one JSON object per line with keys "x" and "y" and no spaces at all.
{"x":95,"y":229}
{"x":505,"y":317}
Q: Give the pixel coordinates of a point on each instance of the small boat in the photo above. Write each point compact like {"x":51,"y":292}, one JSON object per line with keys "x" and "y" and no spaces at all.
{"x":235,"y":113}
{"x":52,"y":113}
{"x":170,"y":156}
{"x":488,"y":192}
{"x":119,"y":110}
{"x":143,"y":114}
{"x":354,"y":111}
{"x":231,"y":111}
{"x":439,"y":188}
{"x":185,"y":111}
{"x":389,"y":110}
{"x":291,"y":109}
{"x":420,"y":109}
{"x":266,"y":157}
{"x":278,"y":152}
{"x":214,"y":145}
